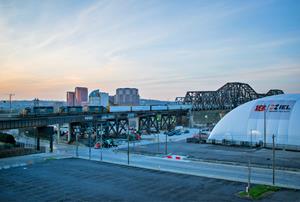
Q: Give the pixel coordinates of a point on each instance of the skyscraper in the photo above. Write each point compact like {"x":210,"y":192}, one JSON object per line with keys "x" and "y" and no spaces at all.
{"x":70,"y":98}
{"x":81,"y":96}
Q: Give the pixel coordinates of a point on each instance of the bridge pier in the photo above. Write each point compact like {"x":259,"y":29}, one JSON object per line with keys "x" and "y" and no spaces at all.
{"x":37,"y":138}
{"x":134,"y":123}
{"x":69,"y":132}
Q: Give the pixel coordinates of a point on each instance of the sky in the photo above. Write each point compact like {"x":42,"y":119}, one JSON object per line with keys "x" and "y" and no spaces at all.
{"x":163,"y":48}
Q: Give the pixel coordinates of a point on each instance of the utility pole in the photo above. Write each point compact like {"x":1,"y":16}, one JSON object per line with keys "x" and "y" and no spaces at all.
{"x":166,"y":148}
{"x":273,"y":138}
{"x":89,"y":133}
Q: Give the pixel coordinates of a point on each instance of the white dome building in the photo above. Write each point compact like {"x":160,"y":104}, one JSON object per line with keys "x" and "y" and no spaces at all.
{"x":278,"y":115}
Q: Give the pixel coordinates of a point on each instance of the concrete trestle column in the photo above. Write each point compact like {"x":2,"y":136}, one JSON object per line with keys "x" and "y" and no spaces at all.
{"x":134,"y":123}
{"x":69,"y":132}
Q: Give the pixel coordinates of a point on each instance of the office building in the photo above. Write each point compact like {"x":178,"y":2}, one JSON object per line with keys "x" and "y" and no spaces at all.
{"x":81,"y":96}
{"x":127,"y":96}
{"x":70,"y":98}
{"x":97,"y":98}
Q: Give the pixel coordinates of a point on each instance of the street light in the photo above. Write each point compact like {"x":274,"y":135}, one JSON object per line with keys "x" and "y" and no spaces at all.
{"x":101,"y":142}
{"x":265,"y":125}
{"x":273,"y":177}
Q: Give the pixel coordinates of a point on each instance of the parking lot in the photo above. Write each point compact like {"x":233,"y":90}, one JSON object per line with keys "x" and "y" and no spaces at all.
{"x":83,"y":180}
{"x":225,"y":154}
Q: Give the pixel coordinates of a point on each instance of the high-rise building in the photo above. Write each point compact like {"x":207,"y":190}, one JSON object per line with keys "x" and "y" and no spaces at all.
{"x":127,"y":96}
{"x":81,"y":96}
{"x":70,"y":98}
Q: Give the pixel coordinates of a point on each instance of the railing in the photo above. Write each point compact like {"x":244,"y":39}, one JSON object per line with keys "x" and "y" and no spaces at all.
{"x":19,"y":149}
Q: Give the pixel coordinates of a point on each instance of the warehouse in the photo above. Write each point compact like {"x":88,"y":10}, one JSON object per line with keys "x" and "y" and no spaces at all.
{"x":258,"y":120}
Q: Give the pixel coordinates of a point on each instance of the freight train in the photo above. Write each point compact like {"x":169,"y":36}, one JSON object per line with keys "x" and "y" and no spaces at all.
{"x":48,"y":110}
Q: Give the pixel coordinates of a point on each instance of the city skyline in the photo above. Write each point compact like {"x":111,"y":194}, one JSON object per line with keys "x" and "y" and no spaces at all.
{"x":163,"y":48}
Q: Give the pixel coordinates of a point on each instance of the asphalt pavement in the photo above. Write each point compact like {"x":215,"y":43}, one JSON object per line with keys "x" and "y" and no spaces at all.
{"x":82,"y":180}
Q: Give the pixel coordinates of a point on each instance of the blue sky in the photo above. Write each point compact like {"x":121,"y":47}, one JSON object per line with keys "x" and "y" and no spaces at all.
{"x":164,"y":48}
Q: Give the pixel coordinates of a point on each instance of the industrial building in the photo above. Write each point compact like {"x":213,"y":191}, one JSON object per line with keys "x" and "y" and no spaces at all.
{"x":97,"y":98}
{"x":127,"y":96}
{"x":256,"y":122}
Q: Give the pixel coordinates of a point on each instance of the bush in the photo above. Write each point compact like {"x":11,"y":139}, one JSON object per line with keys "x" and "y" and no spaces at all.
{"x":7,"y":138}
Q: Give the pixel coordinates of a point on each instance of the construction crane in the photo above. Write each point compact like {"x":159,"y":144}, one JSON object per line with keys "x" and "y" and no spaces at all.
{"x":10,"y":101}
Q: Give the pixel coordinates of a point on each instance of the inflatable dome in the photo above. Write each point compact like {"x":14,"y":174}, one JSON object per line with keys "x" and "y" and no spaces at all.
{"x":258,"y":120}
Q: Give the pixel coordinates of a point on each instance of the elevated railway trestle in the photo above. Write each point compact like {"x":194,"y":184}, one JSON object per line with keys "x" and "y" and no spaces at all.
{"x":227,"y":97}
{"x":116,"y":123}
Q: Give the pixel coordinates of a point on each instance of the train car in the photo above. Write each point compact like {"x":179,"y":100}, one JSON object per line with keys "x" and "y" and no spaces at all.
{"x":174,"y":107}
{"x":69,"y":109}
{"x":120,"y":109}
{"x":95,"y":109}
{"x":140,"y":108}
{"x":159,"y":107}
{"x":43,"y":110}
{"x":36,"y":111}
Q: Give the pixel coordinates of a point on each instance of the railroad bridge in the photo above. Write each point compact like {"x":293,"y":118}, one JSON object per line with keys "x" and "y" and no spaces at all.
{"x":208,"y":107}
{"x":227,"y":97}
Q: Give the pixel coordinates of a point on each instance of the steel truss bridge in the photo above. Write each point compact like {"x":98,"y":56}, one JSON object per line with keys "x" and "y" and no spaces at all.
{"x":114,"y":123}
{"x":227,"y":97}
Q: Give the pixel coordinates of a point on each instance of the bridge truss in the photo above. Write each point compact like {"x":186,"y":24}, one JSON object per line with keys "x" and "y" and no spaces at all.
{"x":228,"y":97}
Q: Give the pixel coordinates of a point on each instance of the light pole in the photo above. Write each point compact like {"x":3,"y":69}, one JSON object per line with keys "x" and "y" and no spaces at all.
{"x":166,"y":145}
{"x":265,"y":125}
{"x":273,"y":177}
{"x":101,"y":142}
{"x":128,"y":145}
{"x":89,"y":135}
{"x":251,"y":138}
{"x":157,"y":143}
{"x":252,"y":132}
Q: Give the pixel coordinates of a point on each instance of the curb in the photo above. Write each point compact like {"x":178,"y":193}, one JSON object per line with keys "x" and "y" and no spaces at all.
{"x":212,"y":161}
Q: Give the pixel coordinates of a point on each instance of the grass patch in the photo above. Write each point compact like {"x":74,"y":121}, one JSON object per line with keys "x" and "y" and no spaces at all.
{"x":51,"y":158}
{"x":258,"y":191}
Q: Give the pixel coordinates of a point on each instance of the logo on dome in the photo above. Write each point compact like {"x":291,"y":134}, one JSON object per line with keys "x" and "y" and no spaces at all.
{"x":272,"y":109}
{"x":260,"y":108}
{"x":279,"y":108}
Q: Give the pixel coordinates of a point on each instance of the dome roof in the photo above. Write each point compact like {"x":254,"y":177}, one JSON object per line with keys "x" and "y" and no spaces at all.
{"x":95,"y":93}
{"x":246,"y":122}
